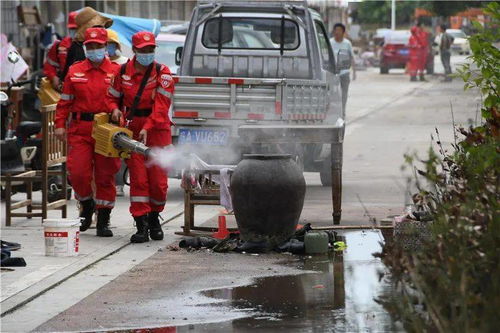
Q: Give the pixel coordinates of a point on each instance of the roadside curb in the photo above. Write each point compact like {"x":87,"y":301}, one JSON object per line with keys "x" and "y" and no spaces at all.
{"x":25,"y":296}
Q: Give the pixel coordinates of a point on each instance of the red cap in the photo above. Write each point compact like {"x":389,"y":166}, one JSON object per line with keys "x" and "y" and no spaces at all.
{"x":96,"y":35}
{"x":72,"y":21}
{"x":142,"y":39}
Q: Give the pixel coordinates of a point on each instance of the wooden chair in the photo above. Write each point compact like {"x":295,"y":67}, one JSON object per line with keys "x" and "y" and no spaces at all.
{"x":54,"y":152}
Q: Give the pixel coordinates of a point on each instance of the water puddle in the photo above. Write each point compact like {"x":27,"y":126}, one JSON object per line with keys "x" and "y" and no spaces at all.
{"x":338,"y":296}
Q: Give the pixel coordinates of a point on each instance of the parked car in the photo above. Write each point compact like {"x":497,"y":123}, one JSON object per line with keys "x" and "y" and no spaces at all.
{"x":165,"y":52}
{"x":271,"y":65}
{"x":395,"y":52}
{"x":460,"y":42}
{"x":176,"y":29}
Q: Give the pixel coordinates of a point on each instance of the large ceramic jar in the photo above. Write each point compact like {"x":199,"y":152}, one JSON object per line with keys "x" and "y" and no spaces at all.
{"x":268,"y":195}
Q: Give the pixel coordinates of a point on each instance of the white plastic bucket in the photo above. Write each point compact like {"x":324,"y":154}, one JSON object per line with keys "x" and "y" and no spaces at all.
{"x":62,"y":237}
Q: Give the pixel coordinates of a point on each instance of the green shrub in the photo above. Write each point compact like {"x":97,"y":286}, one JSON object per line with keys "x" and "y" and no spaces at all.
{"x":452,"y":283}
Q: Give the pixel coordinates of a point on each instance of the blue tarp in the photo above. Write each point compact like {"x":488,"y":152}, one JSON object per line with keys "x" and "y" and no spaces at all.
{"x":126,"y":27}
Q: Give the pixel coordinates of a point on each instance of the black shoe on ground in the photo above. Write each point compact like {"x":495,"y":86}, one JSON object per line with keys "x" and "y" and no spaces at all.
{"x":87,"y":208}
{"x":422,"y":78}
{"x":155,"y":231}
{"x":413,"y":78}
{"x":142,"y":235}
{"x":103,"y":216}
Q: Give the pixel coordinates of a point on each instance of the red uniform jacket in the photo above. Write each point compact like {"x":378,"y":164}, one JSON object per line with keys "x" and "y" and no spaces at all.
{"x":56,"y":58}
{"x":85,"y":88}
{"x":157,"y":94}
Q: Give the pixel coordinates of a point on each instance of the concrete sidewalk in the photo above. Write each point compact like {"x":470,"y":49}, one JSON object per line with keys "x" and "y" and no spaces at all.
{"x":42,"y":273}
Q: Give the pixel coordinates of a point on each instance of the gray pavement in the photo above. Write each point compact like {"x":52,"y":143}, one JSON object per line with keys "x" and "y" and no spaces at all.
{"x":387,"y":117}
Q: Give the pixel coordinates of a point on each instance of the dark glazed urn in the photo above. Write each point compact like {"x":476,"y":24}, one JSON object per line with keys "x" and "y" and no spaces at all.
{"x":268,"y":195}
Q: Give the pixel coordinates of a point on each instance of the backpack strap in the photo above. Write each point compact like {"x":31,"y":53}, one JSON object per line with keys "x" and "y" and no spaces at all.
{"x":137,"y":97}
{"x":123,"y":67}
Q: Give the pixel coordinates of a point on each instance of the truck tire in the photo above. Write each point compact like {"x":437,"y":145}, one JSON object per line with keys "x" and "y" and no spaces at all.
{"x":384,"y":70}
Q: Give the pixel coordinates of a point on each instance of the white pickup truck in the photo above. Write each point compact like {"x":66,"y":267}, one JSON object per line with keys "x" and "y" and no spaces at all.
{"x":255,"y":63}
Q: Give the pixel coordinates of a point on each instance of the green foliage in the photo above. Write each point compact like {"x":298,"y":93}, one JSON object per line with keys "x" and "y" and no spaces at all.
{"x":483,"y":72}
{"x":452,"y":284}
{"x":379,"y":12}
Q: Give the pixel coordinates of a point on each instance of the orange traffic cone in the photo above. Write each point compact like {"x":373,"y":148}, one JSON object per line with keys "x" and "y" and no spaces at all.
{"x":222,"y":232}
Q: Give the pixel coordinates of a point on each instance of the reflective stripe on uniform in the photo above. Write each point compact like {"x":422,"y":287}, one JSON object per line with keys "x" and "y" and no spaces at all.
{"x":164,"y":92}
{"x":114,"y":92}
{"x":67,"y":97}
{"x":157,"y":203}
{"x":139,"y":199}
{"x":105,"y":203}
{"x":52,"y":62}
{"x":80,"y":198}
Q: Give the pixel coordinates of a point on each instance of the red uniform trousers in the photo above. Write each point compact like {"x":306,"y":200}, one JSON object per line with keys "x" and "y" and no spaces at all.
{"x":413,"y":61}
{"x":84,"y":165}
{"x":422,"y":59}
{"x":148,"y":182}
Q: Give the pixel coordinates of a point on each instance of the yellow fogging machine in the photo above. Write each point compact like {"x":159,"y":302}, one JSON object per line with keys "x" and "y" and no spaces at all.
{"x":114,"y":141}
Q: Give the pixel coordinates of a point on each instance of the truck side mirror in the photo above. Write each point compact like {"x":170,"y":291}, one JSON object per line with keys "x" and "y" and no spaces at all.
{"x":178,"y":55}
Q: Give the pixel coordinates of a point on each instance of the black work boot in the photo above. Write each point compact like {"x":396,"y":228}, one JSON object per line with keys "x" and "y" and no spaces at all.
{"x":422,"y":77}
{"x":141,"y":236}
{"x":87,"y":208}
{"x":155,"y":231}
{"x":103,"y":223}
{"x":413,"y":78}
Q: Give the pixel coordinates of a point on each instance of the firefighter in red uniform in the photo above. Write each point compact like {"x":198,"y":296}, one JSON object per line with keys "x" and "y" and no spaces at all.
{"x":414,"y":57}
{"x":423,"y":37}
{"x":84,"y":94}
{"x":56,"y":57}
{"x":147,"y":113}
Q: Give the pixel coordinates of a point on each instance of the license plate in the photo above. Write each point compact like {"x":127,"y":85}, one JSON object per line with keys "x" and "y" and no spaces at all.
{"x":404,"y":52}
{"x":211,"y":137}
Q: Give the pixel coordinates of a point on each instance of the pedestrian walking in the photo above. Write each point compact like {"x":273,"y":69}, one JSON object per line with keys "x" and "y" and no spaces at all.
{"x":55,"y":62}
{"x":144,"y":88}
{"x":414,"y":46}
{"x":84,"y":93}
{"x":344,"y":58}
{"x":423,"y":37}
{"x":86,"y":18}
{"x":114,"y":48}
{"x":114,"y":51}
{"x":444,"y":41}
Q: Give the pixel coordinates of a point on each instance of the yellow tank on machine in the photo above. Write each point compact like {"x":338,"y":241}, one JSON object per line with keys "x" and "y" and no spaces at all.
{"x":114,"y":141}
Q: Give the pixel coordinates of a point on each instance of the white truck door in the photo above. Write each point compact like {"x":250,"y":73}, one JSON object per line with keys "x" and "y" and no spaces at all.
{"x":328,"y":63}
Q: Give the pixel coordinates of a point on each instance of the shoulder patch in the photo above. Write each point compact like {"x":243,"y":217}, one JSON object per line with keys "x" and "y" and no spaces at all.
{"x":166,"y":80}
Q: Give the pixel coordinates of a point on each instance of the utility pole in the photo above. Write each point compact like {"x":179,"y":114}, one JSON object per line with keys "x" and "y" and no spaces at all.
{"x":393,"y":15}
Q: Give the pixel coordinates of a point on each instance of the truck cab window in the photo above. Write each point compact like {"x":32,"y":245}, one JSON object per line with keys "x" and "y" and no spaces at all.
{"x":251,"y":33}
{"x":324,"y":47}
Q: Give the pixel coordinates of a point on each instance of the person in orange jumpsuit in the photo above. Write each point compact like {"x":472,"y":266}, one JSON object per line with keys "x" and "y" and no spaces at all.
{"x":56,"y":57}
{"x":147,"y":114}
{"x":84,"y":93}
{"x":414,"y":47}
{"x":423,"y":37}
